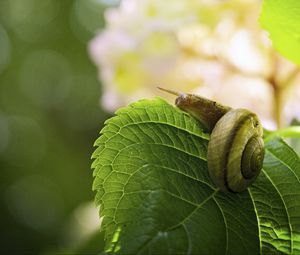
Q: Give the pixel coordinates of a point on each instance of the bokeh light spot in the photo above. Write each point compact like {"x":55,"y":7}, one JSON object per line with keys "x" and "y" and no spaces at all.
{"x":4,"y":133}
{"x":86,"y":18}
{"x":45,"y":78}
{"x":35,"y":202}
{"x":29,"y":19}
{"x":4,"y":49}
{"x":25,"y":141}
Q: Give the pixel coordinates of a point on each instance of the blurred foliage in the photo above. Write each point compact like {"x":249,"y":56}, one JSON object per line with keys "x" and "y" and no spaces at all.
{"x":281,"y":19}
{"x":49,"y":119}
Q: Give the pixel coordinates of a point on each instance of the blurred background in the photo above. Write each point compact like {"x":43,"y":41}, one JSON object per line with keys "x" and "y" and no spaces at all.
{"x":49,"y":118}
{"x":67,"y":65}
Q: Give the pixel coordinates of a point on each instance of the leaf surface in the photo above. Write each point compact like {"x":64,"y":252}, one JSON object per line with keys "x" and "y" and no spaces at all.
{"x":282,"y":20}
{"x":156,"y":196}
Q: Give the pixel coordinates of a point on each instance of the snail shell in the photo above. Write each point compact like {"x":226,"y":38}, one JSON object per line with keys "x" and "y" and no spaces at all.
{"x":236,"y":148}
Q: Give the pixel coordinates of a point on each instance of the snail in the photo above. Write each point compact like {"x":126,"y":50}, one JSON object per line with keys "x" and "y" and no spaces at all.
{"x":235,"y":151}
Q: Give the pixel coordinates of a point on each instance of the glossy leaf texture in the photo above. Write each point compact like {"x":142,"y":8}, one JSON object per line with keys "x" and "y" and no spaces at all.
{"x":282,"y":20}
{"x":156,"y":197}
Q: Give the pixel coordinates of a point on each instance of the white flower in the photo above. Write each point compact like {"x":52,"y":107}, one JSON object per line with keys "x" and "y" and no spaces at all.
{"x":215,"y":48}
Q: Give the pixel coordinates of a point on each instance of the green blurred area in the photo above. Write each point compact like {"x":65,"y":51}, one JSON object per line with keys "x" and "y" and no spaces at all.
{"x":49,"y":119}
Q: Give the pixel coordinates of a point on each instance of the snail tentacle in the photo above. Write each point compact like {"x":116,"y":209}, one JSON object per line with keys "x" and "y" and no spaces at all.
{"x":236,"y":148}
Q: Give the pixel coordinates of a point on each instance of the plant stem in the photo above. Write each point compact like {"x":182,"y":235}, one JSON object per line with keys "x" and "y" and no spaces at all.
{"x":279,"y":87}
{"x":277,"y":95}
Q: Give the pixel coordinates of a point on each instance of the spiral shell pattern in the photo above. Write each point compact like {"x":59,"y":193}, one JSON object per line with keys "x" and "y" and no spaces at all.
{"x":235,"y":150}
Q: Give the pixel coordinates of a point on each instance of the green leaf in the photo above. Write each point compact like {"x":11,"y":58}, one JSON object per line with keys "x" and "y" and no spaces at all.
{"x":156,"y":196}
{"x":291,"y":131}
{"x":282,"y":20}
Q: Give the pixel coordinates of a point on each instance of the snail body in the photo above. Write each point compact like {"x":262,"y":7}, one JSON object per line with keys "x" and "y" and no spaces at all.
{"x":236,"y":149}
